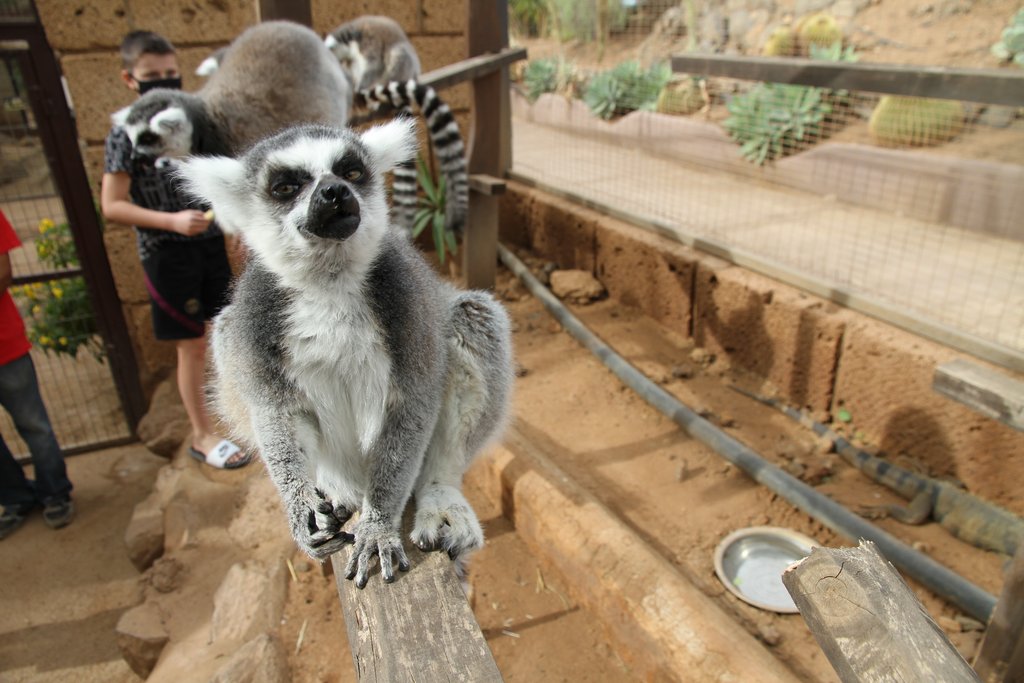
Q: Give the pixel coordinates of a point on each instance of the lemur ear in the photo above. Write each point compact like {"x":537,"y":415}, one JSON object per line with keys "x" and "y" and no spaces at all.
{"x":220,"y":182}
{"x":391,"y":143}
{"x":119,"y":117}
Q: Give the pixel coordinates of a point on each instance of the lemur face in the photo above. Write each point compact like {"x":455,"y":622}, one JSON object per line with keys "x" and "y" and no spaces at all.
{"x":158,"y":125}
{"x":345,"y":46}
{"x":306,"y":188}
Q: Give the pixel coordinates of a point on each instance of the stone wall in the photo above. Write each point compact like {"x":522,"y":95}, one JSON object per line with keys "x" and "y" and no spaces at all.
{"x":809,"y":351}
{"x":86,"y":35}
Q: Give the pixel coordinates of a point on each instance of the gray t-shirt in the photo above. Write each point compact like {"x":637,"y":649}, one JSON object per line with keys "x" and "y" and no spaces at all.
{"x":153,"y":187}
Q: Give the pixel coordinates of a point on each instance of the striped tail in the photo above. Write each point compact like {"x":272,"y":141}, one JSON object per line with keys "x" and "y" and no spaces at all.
{"x":447,"y":142}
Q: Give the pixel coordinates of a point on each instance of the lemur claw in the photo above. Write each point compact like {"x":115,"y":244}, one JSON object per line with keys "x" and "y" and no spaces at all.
{"x":375,"y":540}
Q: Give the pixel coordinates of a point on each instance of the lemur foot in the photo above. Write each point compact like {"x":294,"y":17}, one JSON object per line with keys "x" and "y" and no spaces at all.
{"x":445,"y":520}
{"x":321,"y":536}
{"x":376,"y":539}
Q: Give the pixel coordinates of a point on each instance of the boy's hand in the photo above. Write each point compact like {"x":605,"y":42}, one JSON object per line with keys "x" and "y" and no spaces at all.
{"x":189,"y":222}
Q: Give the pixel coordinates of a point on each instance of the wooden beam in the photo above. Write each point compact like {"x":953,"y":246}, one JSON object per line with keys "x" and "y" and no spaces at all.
{"x":489,"y":185}
{"x":867,"y":620}
{"x":472,"y":68}
{"x":490,"y":143}
{"x":991,"y":86}
{"x":1001,"y":656}
{"x":991,"y":393}
{"x":419,"y":628}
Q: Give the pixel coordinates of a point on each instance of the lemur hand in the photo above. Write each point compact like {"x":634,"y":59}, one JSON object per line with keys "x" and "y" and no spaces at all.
{"x":189,"y":222}
{"x":376,"y":537}
{"x":317,"y":527}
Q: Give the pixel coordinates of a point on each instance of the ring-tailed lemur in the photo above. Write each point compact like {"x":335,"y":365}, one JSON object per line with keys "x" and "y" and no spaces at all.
{"x":383,"y":67}
{"x":359,"y":375}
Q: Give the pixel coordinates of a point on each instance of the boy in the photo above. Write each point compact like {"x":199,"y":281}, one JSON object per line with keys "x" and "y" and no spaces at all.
{"x":182,"y":252}
{"x":19,"y":395}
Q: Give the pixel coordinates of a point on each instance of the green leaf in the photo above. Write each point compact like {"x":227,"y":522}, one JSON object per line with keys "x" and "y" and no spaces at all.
{"x":420,"y":221}
{"x":439,"y":235}
{"x":844,"y":415}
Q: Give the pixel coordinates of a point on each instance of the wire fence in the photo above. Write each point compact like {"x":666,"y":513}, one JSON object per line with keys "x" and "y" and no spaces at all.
{"x":907,"y":207}
{"x":74,"y":376}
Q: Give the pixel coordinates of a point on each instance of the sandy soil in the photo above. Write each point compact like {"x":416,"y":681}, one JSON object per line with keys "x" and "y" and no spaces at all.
{"x":69,"y":587}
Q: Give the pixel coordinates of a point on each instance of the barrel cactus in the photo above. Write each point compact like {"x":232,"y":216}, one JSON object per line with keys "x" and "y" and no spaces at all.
{"x":681,"y":97}
{"x":781,"y":43}
{"x":915,"y":121}
{"x":818,"y":29}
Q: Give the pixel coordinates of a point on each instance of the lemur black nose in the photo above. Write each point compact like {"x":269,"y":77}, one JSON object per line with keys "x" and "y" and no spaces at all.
{"x":335,"y":193}
{"x":148,"y":137}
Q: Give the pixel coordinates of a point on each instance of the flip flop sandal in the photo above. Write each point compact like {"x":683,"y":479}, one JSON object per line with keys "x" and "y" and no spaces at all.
{"x":220,"y":455}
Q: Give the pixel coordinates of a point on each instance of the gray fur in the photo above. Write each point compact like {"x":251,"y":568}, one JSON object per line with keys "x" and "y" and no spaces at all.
{"x":361,"y":377}
{"x":374,"y":50}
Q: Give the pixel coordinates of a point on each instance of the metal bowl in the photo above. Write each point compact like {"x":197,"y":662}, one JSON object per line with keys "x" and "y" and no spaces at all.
{"x":750,"y":563}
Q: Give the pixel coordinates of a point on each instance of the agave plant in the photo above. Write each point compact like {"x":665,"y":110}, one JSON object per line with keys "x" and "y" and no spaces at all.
{"x":625,"y":88}
{"x":772,"y":120}
{"x":433,"y":200}
{"x":540,"y":76}
{"x":1011,"y":47}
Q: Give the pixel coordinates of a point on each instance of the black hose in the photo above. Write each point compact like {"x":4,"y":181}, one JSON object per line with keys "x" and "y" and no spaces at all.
{"x":940,"y":580}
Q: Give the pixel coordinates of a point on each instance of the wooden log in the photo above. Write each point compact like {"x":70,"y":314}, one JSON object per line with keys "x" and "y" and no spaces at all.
{"x":1001,"y":656}
{"x":990,"y":393}
{"x":419,"y":628}
{"x":991,"y":86}
{"x":868,"y":622}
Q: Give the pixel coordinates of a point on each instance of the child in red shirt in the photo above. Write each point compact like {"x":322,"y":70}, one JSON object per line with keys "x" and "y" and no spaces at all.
{"x":19,"y":395}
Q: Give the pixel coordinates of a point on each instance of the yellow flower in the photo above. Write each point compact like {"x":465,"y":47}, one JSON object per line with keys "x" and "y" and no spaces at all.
{"x":45,"y":341}
{"x":63,"y":341}
{"x":42,"y":250}
{"x":45,"y":225}
{"x":57,"y":292}
{"x":36,"y":310}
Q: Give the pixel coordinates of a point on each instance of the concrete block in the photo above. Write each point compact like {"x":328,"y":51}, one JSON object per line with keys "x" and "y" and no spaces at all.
{"x":96,"y":91}
{"x":123,"y":253}
{"x":93,"y":157}
{"x":783,"y":335}
{"x":438,"y":51}
{"x":514,"y":210}
{"x":85,"y":24}
{"x":444,"y":16}
{"x":664,"y":291}
{"x":884,"y":380}
{"x":329,"y":14}
{"x":186,"y":22}
{"x":563,"y":232}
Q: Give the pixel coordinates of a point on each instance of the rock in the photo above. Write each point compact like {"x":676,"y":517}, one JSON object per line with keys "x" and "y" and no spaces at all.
{"x":249,"y":601}
{"x":141,"y":637}
{"x":948,"y":624}
{"x":165,"y":426}
{"x":180,"y":524}
{"x":769,"y":634}
{"x":166,"y":485}
{"x":682,"y":372}
{"x":702,"y":357}
{"x":968,"y":624}
{"x":261,"y":660}
{"x":144,"y":537}
{"x":823,"y":445}
{"x":997,"y":116}
{"x":654,"y":371}
{"x":166,"y":575}
{"x":576,"y":286}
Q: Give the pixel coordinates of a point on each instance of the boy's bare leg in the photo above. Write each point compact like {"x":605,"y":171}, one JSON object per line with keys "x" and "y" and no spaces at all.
{"x":191,"y":386}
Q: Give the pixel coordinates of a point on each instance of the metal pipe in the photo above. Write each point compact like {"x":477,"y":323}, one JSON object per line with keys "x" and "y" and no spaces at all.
{"x":937,"y":578}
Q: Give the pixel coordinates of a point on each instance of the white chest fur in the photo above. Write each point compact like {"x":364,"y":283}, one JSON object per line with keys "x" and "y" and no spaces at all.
{"x":337,"y":357}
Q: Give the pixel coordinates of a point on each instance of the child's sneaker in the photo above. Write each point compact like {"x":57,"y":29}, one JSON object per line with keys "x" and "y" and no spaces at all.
{"x":59,"y":514}
{"x":11,"y":519}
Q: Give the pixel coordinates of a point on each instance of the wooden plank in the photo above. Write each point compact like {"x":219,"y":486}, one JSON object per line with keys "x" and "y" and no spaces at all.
{"x":419,"y":628}
{"x":989,"y":392}
{"x":1001,"y":656}
{"x":867,"y":620}
{"x":490,"y":144}
{"x":992,"y":86}
{"x":472,"y":68}
{"x":489,"y":185}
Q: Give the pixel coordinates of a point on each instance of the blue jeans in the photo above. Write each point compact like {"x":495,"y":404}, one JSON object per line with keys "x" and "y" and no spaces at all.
{"x":19,"y":395}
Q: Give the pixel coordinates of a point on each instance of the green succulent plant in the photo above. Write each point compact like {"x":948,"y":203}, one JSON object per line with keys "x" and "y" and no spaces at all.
{"x":1011,"y":46}
{"x":625,"y":88}
{"x":540,"y":76}
{"x":773,"y":120}
{"x":915,"y":121}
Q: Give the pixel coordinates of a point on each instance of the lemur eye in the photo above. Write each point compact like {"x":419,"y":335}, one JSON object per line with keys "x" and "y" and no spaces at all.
{"x":353,"y":174}
{"x":284,"y":190}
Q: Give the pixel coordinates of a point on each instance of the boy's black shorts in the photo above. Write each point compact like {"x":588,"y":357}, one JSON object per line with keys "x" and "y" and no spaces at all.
{"x":188,"y":284}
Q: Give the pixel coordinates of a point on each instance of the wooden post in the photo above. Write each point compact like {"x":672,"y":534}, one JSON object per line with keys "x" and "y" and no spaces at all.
{"x":868,"y":622}
{"x":419,"y":628}
{"x":490,"y":142}
{"x":1001,"y":656}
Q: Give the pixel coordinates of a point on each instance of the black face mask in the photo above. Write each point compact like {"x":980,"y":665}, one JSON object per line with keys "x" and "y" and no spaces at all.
{"x":169,"y":83}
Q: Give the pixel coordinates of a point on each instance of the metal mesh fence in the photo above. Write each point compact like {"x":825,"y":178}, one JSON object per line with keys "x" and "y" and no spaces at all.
{"x":907,"y":207}
{"x":49,"y":291}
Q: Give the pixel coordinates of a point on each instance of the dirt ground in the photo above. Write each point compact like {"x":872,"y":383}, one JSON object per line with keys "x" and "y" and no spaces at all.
{"x":64,"y":591}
